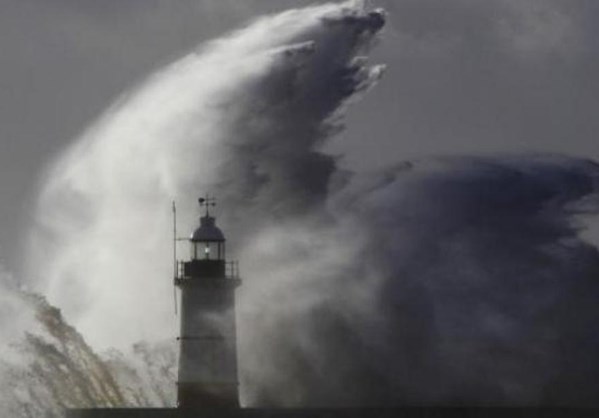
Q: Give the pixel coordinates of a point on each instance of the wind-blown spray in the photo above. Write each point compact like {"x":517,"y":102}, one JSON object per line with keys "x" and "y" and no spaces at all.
{"x":463,"y":281}
{"x":242,"y":116}
{"x":442,"y":282}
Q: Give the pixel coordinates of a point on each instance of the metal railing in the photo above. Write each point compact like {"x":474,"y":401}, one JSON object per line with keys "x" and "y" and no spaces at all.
{"x":231,"y":269}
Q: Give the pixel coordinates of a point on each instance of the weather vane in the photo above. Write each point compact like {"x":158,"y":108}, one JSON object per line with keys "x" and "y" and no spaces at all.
{"x":207,"y":202}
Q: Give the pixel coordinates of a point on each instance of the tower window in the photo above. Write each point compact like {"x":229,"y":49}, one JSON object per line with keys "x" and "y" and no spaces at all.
{"x":203,"y":250}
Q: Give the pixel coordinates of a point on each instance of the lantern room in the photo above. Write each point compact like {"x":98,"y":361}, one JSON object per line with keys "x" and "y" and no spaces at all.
{"x":207,"y":247}
{"x":207,"y":242}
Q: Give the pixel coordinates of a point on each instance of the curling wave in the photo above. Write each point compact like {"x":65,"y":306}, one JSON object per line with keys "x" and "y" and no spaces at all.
{"x":445,"y":281}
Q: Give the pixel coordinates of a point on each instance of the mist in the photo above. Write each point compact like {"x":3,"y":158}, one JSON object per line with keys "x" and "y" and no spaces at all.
{"x":226,"y":117}
{"x":457,"y":280}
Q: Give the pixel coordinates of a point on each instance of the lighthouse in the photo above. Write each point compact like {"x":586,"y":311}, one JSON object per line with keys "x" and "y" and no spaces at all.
{"x":207,"y":351}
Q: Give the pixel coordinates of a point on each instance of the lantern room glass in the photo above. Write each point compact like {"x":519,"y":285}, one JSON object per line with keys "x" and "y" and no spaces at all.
{"x":207,"y":250}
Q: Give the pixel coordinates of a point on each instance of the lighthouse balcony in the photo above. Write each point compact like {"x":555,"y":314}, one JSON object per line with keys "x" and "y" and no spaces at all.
{"x":204,"y":268}
{"x":207,"y":270}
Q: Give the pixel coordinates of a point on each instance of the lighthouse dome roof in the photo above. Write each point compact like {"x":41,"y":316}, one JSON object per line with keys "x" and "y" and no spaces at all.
{"x":207,"y":231}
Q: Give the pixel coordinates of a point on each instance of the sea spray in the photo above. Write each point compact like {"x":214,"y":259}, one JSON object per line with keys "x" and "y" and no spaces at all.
{"x":52,"y":368}
{"x":451,"y":281}
{"x":243,"y":116}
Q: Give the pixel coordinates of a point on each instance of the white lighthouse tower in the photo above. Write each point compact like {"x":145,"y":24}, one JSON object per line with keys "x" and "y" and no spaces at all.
{"x":208,"y":355}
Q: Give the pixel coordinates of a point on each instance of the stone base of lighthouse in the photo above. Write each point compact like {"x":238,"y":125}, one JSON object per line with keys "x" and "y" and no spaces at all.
{"x":197,"y":396}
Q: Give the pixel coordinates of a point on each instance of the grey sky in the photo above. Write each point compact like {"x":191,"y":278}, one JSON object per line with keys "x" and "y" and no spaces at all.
{"x":464,"y":76}
{"x":486,"y":76}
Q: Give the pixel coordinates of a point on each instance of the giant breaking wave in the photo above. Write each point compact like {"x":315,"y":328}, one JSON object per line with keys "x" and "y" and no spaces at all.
{"x":446,"y":281}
